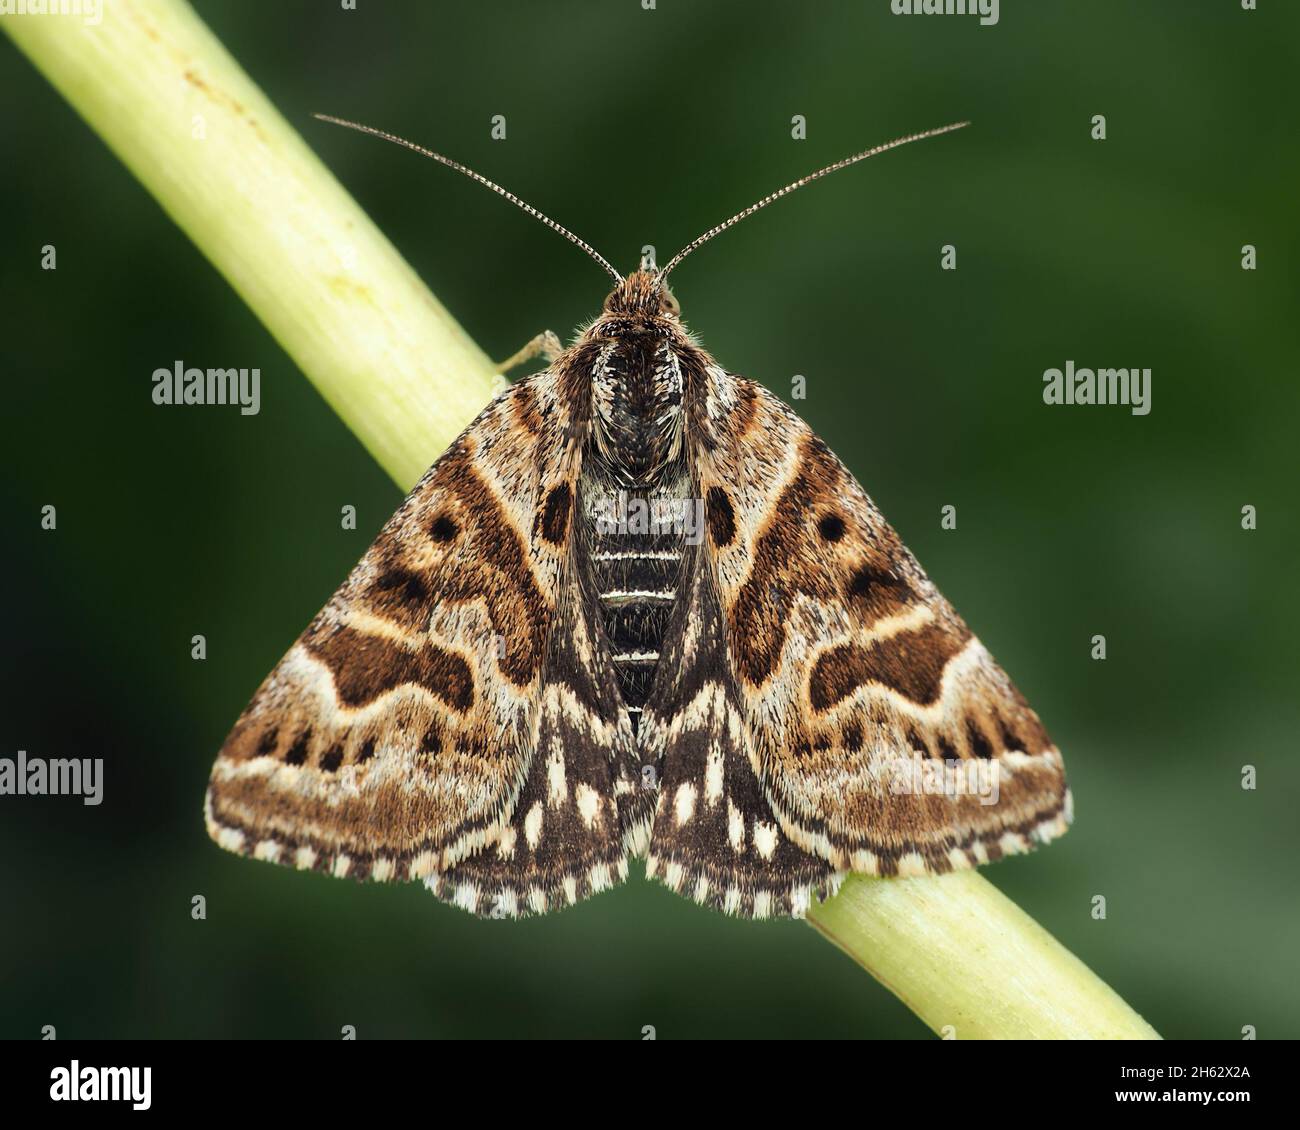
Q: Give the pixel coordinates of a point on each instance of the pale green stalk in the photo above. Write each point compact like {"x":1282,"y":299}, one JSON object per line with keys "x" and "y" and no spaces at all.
{"x":971,"y":963}
{"x":158,"y":87}
{"x":162,"y":92}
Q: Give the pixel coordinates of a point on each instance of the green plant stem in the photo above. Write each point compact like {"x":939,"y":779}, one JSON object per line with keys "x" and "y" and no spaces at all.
{"x":971,"y":963}
{"x":159,"y":88}
{"x":164,"y":94}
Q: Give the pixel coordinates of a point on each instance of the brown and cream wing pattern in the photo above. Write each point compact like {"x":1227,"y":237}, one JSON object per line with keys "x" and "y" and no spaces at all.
{"x":569,"y":834}
{"x":887,"y":739}
{"x":394,"y":738}
{"x":714,"y":837}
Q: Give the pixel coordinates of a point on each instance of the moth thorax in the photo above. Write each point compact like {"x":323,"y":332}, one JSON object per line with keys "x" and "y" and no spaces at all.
{"x":637,"y":392}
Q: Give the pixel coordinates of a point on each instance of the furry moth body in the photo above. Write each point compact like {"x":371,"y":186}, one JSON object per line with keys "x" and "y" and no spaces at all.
{"x":511,"y":696}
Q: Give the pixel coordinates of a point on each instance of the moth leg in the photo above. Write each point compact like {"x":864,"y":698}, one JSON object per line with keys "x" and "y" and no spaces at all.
{"x":545,"y":344}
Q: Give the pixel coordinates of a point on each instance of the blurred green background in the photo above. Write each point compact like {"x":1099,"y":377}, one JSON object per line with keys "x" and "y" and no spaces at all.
{"x":638,"y":127}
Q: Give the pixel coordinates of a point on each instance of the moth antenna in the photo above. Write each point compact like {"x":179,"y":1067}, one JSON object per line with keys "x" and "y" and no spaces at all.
{"x":789,"y":188}
{"x":596,"y":255}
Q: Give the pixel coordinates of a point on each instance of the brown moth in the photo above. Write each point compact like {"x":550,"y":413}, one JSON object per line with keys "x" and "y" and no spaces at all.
{"x":637,"y":609}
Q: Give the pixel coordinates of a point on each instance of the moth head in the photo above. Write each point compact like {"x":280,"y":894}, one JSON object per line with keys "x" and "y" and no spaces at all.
{"x":644,"y":294}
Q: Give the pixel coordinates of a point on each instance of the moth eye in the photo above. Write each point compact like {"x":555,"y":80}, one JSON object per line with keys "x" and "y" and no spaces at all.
{"x":831,"y":527}
{"x":670,"y":303}
{"x":443,"y":528}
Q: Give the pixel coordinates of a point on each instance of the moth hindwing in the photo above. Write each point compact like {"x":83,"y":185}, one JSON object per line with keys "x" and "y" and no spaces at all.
{"x":637,"y":608}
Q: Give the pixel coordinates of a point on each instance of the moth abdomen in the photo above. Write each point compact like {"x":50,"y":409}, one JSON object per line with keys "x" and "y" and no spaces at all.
{"x":633,"y":555}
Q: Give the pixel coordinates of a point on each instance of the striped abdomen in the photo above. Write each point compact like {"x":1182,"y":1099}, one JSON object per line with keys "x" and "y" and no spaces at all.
{"x":634,"y":550}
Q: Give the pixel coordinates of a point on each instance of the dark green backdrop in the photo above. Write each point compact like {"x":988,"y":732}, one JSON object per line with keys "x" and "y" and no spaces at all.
{"x":647,"y":127}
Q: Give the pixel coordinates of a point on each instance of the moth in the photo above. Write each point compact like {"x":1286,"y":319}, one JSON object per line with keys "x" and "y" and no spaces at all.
{"x":521,"y":686}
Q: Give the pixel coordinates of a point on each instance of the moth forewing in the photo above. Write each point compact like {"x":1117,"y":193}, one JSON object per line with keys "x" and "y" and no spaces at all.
{"x":887,"y":739}
{"x":396,"y":737}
